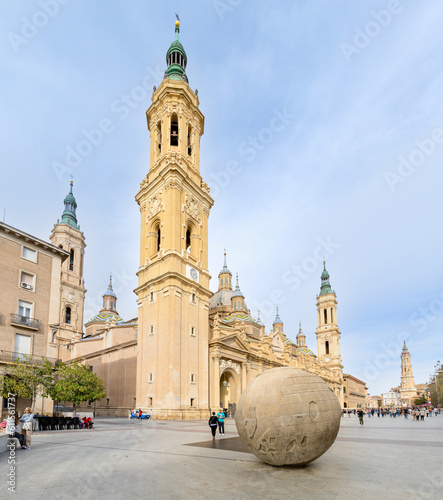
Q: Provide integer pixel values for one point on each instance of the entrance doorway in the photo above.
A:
(229, 388)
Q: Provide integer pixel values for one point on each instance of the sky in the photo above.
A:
(323, 140)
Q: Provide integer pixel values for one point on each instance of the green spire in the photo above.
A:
(404, 347)
(176, 58)
(325, 285)
(68, 216)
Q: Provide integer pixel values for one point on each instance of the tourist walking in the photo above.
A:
(27, 419)
(139, 414)
(213, 424)
(221, 422)
(360, 416)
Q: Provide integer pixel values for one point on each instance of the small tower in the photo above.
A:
(109, 300)
(238, 303)
(327, 332)
(408, 391)
(225, 277)
(277, 326)
(301, 337)
(66, 234)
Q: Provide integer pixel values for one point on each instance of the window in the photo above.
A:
(29, 254)
(89, 403)
(189, 141)
(22, 346)
(134, 402)
(159, 137)
(107, 401)
(188, 240)
(27, 281)
(193, 378)
(151, 377)
(159, 235)
(193, 297)
(332, 316)
(25, 309)
(192, 401)
(151, 330)
(152, 296)
(68, 316)
(327, 347)
(344, 390)
(174, 130)
(91, 368)
(71, 260)
(150, 401)
(325, 315)
(193, 331)
(54, 337)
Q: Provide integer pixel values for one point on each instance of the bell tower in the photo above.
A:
(408, 391)
(66, 234)
(327, 332)
(173, 279)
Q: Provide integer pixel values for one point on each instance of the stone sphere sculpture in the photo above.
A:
(287, 416)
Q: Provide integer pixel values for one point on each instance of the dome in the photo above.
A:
(103, 317)
(221, 298)
(232, 318)
(176, 46)
(304, 351)
(109, 293)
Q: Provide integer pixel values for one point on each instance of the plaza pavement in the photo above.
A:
(128, 459)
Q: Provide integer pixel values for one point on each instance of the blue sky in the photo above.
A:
(323, 138)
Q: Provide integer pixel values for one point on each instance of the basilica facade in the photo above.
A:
(189, 350)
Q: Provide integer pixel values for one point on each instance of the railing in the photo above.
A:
(10, 357)
(17, 319)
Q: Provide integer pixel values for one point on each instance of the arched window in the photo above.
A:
(325, 311)
(159, 235)
(174, 130)
(159, 136)
(68, 316)
(188, 240)
(327, 347)
(71, 260)
(189, 141)
(332, 315)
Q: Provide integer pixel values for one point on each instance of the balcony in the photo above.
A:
(24, 321)
(10, 357)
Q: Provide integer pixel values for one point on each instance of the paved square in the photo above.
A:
(122, 459)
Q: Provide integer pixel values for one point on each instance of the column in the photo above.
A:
(243, 376)
(215, 399)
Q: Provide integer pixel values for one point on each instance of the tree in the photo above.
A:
(420, 401)
(76, 383)
(25, 379)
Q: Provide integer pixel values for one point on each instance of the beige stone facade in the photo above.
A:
(30, 271)
(355, 392)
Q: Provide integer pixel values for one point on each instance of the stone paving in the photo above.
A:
(122, 459)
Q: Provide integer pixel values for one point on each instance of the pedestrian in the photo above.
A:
(27, 419)
(360, 416)
(213, 424)
(422, 413)
(139, 414)
(221, 422)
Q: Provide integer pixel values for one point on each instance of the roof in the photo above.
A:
(103, 317)
(304, 351)
(221, 298)
(237, 316)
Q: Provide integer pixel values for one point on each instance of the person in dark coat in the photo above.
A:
(213, 424)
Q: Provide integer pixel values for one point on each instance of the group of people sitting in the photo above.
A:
(22, 432)
(87, 422)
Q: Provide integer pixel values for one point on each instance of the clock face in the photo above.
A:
(193, 273)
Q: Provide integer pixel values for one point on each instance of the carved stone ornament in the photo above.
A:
(229, 364)
(69, 295)
(155, 206)
(192, 208)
